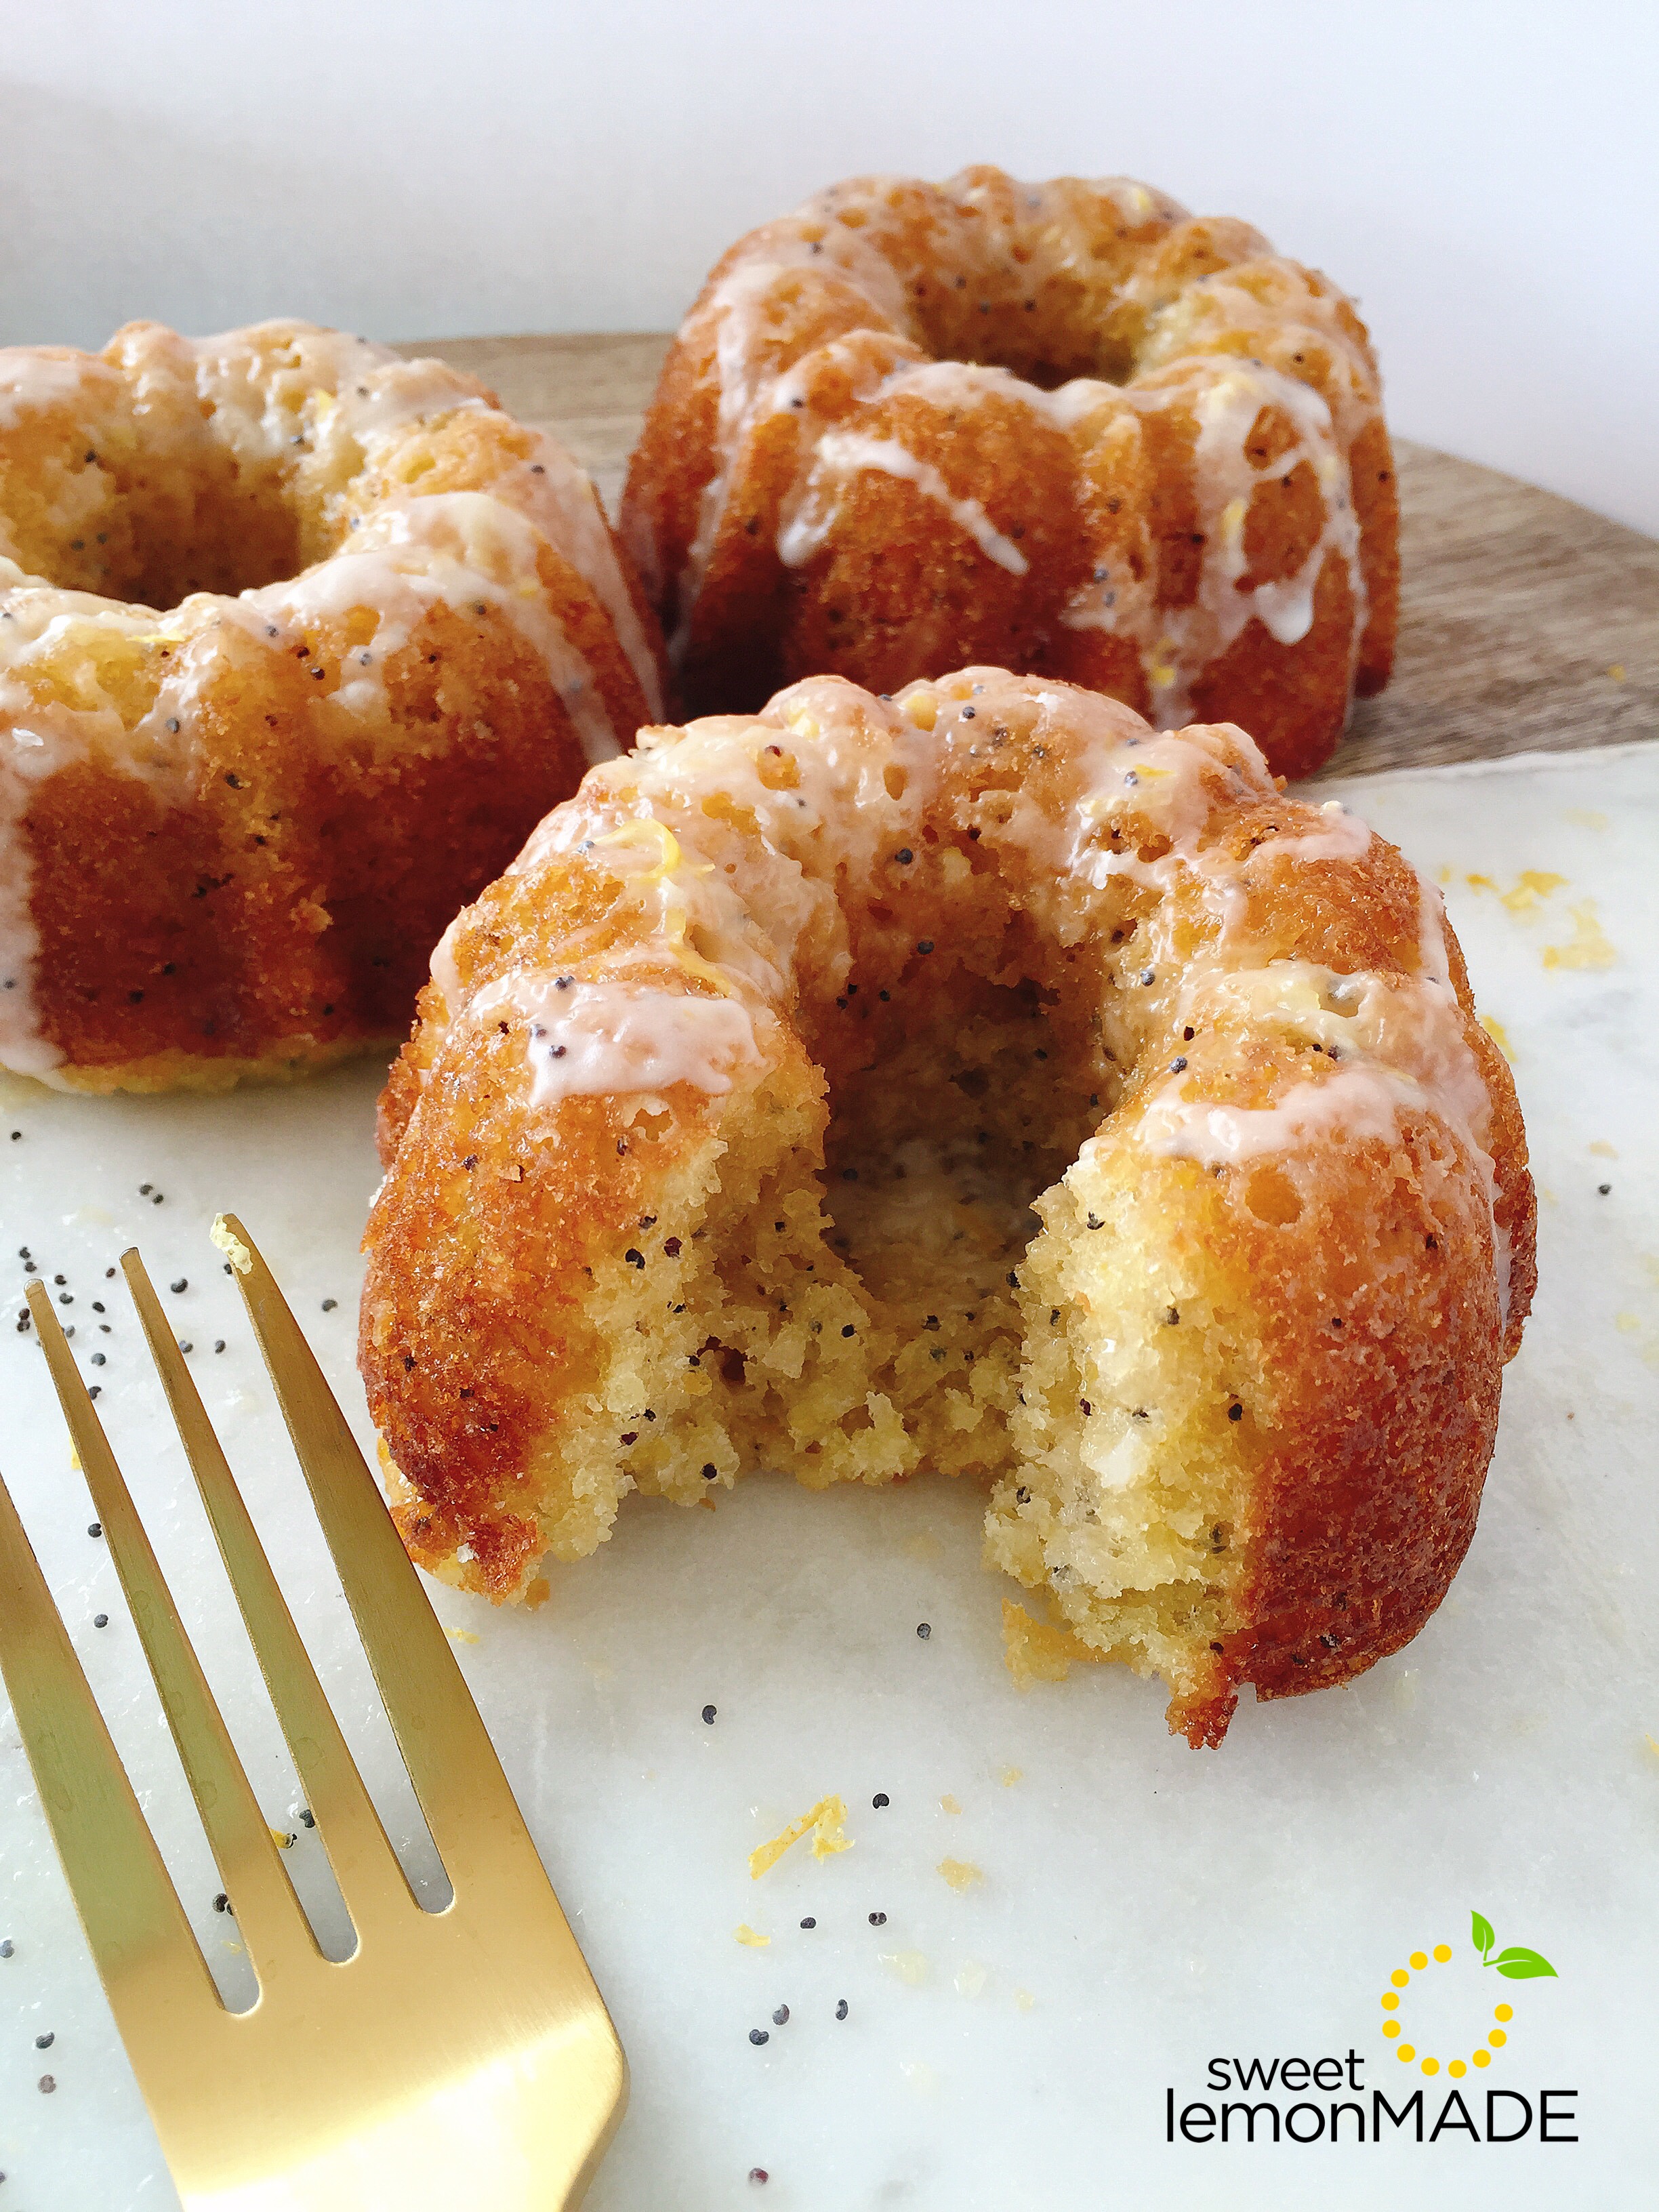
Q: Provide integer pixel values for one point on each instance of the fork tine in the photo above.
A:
(268, 1914)
(365, 1865)
(458, 1778)
(128, 1908)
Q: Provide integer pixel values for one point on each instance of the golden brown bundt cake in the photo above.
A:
(976, 1081)
(399, 628)
(1065, 426)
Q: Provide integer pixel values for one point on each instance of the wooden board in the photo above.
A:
(1528, 624)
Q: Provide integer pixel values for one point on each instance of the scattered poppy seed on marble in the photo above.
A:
(329, 1304)
(841, 2009)
(44, 2042)
(46, 2085)
(758, 2035)
(709, 1712)
(877, 1919)
(924, 1628)
(780, 2019)
(100, 1620)
(880, 1799)
(7, 1947)
(95, 1528)
(809, 1921)
(183, 1283)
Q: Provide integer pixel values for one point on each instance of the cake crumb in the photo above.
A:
(231, 1246)
(751, 1937)
(1035, 1652)
(960, 1874)
(948, 1804)
(1010, 1775)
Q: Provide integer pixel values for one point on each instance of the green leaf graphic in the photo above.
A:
(1481, 1930)
(1520, 1965)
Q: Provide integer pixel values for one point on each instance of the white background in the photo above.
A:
(1483, 176)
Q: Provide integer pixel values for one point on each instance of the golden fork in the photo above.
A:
(461, 2059)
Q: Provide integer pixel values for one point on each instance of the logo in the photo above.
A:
(1515, 1964)
(1449, 1999)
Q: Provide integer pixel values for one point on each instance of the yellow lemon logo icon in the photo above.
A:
(1514, 1964)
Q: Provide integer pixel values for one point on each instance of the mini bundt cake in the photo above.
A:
(982, 1082)
(399, 628)
(1064, 427)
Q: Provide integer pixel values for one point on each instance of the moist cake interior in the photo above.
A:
(871, 1294)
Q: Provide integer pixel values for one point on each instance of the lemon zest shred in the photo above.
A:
(827, 1822)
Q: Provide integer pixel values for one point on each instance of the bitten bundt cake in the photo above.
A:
(976, 1081)
(298, 641)
(1064, 427)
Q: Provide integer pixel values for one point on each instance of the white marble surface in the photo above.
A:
(1143, 1908)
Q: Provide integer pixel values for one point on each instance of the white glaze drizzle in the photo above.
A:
(586, 1040)
(1351, 1101)
(1398, 1042)
(842, 454)
(28, 755)
(458, 550)
(34, 378)
(737, 307)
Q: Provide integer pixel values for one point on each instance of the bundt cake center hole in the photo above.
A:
(1044, 337)
(238, 533)
(152, 523)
